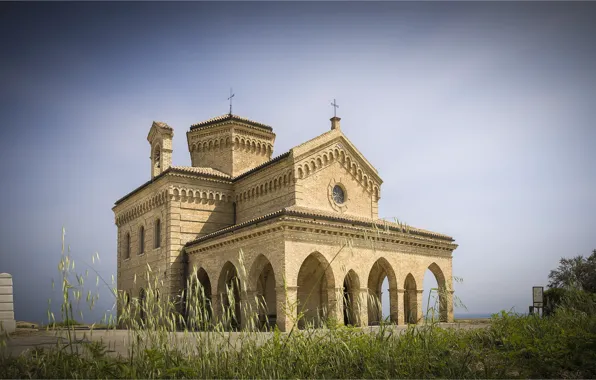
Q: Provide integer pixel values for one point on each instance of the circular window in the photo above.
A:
(338, 194)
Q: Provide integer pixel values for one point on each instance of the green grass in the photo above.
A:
(513, 346)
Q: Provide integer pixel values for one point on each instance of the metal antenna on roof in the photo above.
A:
(230, 99)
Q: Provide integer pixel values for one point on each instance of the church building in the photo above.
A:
(300, 230)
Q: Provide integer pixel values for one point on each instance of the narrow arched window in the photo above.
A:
(127, 246)
(141, 240)
(157, 239)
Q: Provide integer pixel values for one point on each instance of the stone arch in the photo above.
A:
(348, 162)
(316, 287)
(319, 162)
(275, 184)
(342, 157)
(216, 145)
(210, 146)
(306, 170)
(229, 289)
(199, 308)
(156, 159)
(227, 142)
(351, 299)
(325, 158)
(410, 300)
(440, 294)
(300, 173)
(380, 270)
(263, 282)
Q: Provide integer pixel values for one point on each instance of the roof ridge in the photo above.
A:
(264, 164)
(200, 170)
(226, 117)
(292, 211)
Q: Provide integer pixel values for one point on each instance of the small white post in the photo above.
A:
(7, 321)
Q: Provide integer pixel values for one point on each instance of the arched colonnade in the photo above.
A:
(257, 298)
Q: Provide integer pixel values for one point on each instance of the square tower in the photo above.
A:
(230, 144)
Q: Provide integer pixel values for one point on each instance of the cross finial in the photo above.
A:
(335, 107)
(230, 99)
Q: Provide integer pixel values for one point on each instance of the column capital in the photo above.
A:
(419, 291)
(400, 290)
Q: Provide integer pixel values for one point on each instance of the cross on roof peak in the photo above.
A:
(335, 107)
(230, 99)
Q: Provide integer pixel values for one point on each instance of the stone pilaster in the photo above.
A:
(286, 305)
(418, 306)
(335, 304)
(362, 307)
(449, 305)
(397, 304)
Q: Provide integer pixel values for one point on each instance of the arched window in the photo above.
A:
(127, 246)
(157, 234)
(141, 240)
(157, 157)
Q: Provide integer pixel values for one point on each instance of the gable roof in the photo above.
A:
(308, 213)
(307, 148)
(230, 117)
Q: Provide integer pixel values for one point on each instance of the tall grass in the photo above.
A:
(514, 346)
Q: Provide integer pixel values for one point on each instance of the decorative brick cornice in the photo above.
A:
(336, 153)
(140, 207)
(191, 194)
(265, 186)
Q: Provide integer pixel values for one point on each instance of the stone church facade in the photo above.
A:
(299, 229)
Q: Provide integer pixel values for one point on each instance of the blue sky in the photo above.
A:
(478, 116)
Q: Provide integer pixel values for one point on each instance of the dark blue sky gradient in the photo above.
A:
(479, 117)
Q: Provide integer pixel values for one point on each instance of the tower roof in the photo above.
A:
(227, 118)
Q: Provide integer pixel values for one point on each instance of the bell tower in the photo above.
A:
(230, 144)
(160, 139)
